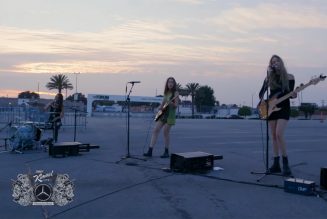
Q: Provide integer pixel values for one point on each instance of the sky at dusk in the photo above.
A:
(223, 44)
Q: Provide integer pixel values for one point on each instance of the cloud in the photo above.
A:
(193, 2)
(237, 36)
(9, 92)
(127, 47)
(270, 16)
(14, 93)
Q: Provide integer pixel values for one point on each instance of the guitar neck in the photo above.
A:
(281, 99)
(172, 100)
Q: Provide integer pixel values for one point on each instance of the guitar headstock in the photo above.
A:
(316, 80)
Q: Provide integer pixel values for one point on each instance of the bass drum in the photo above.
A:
(22, 136)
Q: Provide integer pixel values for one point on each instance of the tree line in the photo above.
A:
(308, 109)
(202, 97)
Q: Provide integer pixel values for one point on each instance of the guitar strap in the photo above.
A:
(172, 97)
(168, 107)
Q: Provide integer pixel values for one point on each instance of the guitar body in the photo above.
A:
(163, 110)
(160, 113)
(265, 112)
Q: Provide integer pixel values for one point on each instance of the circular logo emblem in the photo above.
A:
(43, 192)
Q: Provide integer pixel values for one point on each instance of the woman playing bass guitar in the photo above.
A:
(280, 83)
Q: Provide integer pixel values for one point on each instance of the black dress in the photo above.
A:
(285, 111)
(55, 112)
(55, 120)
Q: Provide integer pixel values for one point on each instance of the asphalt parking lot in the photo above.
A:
(141, 189)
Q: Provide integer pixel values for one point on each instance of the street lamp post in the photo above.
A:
(75, 98)
(252, 100)
(76, 74)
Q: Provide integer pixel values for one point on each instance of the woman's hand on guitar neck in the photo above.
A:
(294, 94)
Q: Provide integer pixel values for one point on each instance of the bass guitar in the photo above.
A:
(265, 111)
(164, 109)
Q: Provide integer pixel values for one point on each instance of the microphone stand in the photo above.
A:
(75, 122)
(267, 172)
(128, 100)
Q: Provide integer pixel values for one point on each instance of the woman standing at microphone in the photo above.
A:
(280, 83)
(56, 110)
(168, 118)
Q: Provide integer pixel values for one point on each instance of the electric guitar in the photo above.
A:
(55, 119)
(273, 101)
(164, 109)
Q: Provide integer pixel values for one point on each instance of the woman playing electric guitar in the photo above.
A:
(166, 117)
(280, 83)
(56, 110)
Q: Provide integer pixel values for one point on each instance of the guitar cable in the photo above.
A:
(148, 132)
(319, 194)
(263, 144)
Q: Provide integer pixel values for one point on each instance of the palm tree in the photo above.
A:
(59, 82)
(180, 90)
(179, 87)
(192, 88)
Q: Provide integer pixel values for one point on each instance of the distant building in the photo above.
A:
(117, 103)
(226, 111)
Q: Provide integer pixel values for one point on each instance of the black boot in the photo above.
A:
(149, 153)
(275, 168)
(286, 168)
(165, 154)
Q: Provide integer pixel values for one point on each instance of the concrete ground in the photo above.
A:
(138, 189)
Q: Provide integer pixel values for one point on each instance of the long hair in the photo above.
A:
(278, 79)
(60, 100)
(173, 90)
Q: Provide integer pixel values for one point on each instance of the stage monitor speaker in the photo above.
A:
(192, 161)
(64, 149)
(323, 178)
(299, 186)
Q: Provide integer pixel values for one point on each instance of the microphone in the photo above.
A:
(271, 69)
(134, 82)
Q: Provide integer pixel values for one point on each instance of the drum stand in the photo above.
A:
(6, 138)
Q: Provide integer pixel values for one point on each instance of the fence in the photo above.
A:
(20, 115)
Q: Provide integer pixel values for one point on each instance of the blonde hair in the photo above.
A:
(278, 81)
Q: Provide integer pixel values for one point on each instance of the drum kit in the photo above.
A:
(25, 136)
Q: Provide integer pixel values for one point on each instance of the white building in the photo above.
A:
(118, 98)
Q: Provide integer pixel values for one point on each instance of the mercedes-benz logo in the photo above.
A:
(43, 192)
